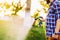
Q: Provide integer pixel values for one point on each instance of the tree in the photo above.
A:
(17, 8)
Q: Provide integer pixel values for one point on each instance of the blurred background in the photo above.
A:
(21, 19)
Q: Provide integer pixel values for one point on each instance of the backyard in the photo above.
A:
(20, 19)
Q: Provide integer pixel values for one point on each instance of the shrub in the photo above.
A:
(36, 33)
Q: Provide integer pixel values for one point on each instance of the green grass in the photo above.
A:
(4, 28)
(2, 33)
(36, 33)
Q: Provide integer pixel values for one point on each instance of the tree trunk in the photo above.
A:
(28, 5)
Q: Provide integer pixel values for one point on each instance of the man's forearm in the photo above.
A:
(57, 26)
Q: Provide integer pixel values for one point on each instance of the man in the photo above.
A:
(53, 19)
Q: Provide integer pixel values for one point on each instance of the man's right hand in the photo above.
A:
(55, 36)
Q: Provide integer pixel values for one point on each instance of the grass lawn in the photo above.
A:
(2, 33)
(36, 33)
(4, 29)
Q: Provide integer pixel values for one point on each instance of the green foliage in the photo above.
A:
(16, 8)
(36, 14)
(36, 33)
(45, 6)
(7, 5)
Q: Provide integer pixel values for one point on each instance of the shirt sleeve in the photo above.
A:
(58, 15)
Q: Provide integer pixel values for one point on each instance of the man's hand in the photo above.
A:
(55, 36)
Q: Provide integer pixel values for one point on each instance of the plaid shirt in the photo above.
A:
(53, 15)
